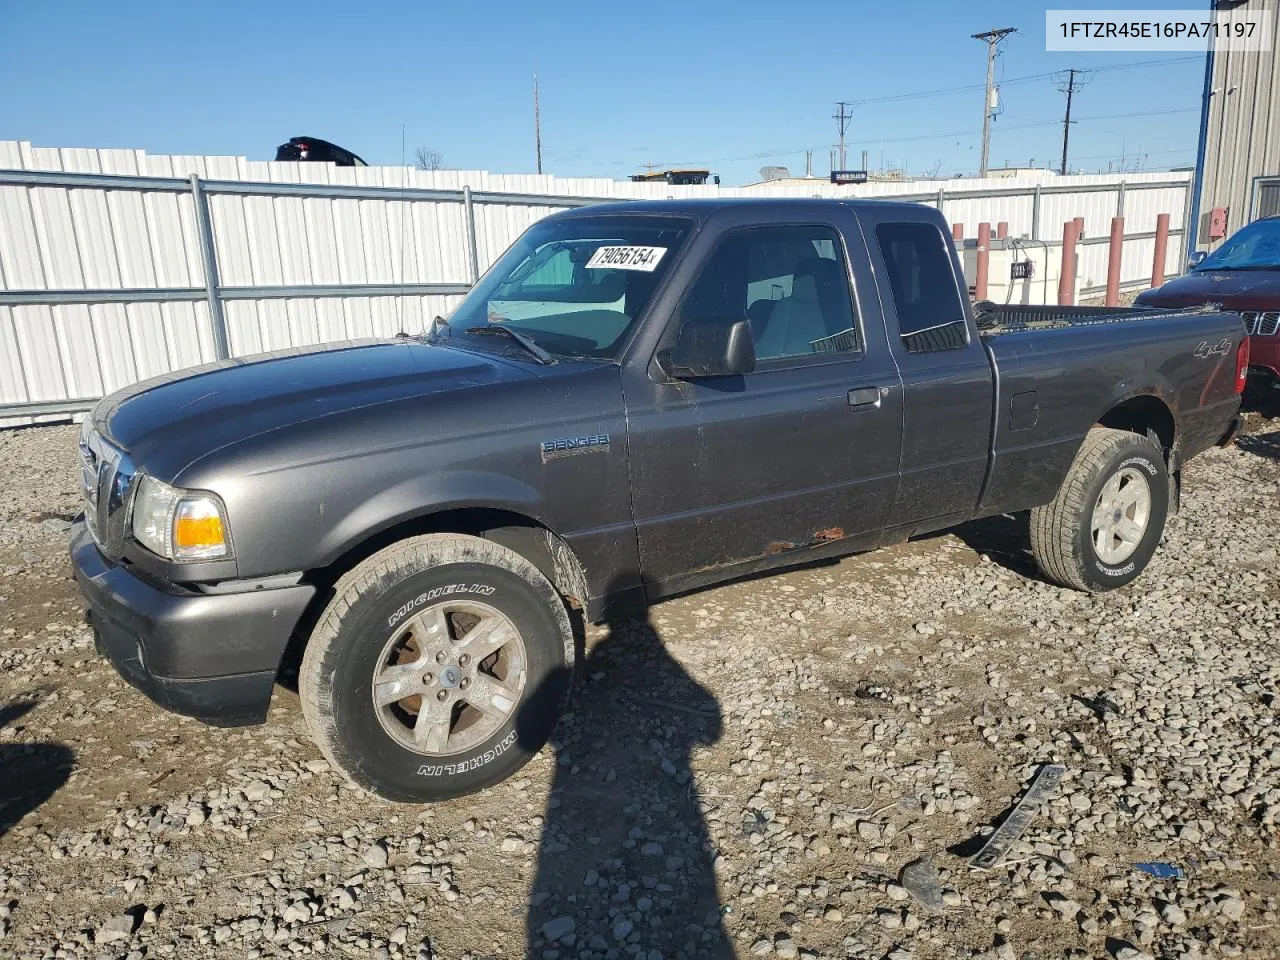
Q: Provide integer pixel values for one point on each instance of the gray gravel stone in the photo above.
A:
(911, 700)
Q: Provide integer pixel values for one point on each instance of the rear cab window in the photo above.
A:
(930, 311)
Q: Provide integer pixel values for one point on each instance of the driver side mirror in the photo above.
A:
(711, 347)
(1196, 258)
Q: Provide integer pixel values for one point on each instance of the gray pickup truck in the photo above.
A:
(636, 400)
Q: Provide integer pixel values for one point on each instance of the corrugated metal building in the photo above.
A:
(1240, 133)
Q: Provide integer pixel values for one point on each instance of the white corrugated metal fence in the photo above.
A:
(116, 265)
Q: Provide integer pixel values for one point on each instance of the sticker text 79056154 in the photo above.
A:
(626, 258)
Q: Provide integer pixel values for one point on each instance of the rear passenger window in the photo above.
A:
(922, 279)
(791, 283)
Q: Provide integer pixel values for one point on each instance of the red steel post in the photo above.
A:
(1067, 276)
(1162, 242)
(957, 231)
(984, 261)
(1002, 229)
(1113, 261)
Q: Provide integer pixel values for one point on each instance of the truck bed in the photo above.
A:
(1059, 370)
(994, 319)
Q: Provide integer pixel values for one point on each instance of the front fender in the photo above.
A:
(422, 496)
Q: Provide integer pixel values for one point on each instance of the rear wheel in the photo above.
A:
(1103, 527)
(439, 668)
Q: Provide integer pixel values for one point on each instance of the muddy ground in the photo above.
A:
(745, 771)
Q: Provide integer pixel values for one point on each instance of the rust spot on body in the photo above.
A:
(831, 533)
(776, 548)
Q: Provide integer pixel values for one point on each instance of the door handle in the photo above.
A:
(866, 396)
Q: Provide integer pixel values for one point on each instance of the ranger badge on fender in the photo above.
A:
(571, 446)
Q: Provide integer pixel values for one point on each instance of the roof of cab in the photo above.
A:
(703, 207)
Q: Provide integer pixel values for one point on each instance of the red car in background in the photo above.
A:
(1243, 275)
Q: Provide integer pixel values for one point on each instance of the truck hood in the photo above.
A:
(1233, 289)
(170, 421)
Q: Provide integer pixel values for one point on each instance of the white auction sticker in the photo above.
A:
(626, 258)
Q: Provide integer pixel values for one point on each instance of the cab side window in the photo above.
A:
(922, 278)
(790, 282)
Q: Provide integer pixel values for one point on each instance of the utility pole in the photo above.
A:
(1069, 83)
(537, 121)
(992, 39)
(841, 118)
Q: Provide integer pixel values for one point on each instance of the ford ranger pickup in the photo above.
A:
(636, 400)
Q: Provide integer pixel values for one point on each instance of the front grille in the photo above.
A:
(1258, 324)
(106, 479)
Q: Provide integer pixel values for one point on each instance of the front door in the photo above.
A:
(805, 449)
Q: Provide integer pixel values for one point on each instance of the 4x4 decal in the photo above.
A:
(1206, 349)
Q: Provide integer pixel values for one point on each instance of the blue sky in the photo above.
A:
(732, 86)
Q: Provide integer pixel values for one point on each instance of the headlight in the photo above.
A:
(179, 524)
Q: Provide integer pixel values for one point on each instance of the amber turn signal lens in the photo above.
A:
(198, 532)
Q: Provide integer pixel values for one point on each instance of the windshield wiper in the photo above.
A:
(523, 339)
(438, 324)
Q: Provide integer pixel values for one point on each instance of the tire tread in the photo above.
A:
(379, 572)
(1055, 526)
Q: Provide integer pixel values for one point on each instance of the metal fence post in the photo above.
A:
(1189, 229)
(1067, 274)
(209, 256)
(1158, 259)
(984, 261)
(469, 214)
(941, 196)
(1035, 214)
(1120, 200)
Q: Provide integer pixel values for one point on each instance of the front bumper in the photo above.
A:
(209, 656)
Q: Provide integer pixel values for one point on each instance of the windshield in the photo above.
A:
(575, 286)
(1255, 247)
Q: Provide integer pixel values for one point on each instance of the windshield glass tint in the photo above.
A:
(1255, 247)
(575, 286)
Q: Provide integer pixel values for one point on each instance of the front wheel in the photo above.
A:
(1102, 528)
(439, 668)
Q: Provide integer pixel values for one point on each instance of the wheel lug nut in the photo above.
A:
(427, 677)
(442, 695)
(464, 683)
(440, 657)
(464, 660)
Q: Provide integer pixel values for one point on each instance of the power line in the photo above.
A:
(785, 151)
(841, 118)
(537, 122)
(1181, 151)
(1068, 84)
(965, 88)
(992, 39)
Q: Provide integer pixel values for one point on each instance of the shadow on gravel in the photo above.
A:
(1261, 444)
(30, 773)
(625, 861)
(1263, 400)
(1006, 539)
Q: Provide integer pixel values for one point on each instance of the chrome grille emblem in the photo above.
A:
(1261, 324)
(106, 476)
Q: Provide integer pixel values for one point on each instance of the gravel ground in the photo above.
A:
(745, 773)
